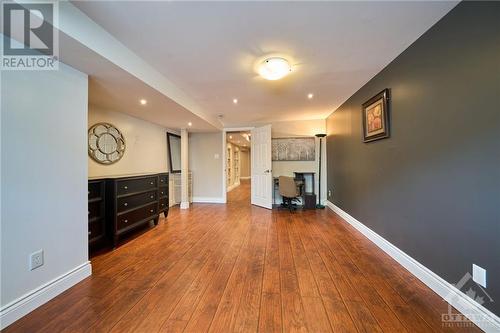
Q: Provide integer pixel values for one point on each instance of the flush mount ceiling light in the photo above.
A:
(274, 68)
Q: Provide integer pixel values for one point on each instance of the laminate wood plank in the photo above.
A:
(411, 321)
(305, 277)
(271, 280)
(359, 312)
(154, 308)
(247, 274)
(207, 306)
(385, 317)
(339, 317)
(270, 318)
(184, 309)
(293, 314)
(392, 275)
(247, 317)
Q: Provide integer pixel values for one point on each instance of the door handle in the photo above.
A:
(267, 171)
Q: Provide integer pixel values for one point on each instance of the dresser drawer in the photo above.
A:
(163, 192)
(136, 185)
(163, 203)
(96, 229)
(132, 201)
(128, 219)
(95, 209)
(163, 179)
(95, 190)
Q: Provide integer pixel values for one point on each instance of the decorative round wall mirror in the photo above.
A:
(106, 143)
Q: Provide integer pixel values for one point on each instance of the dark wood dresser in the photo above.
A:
(131, 202)
(96, 213)
(163, 194)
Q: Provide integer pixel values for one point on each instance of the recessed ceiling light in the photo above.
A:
(143, 101)
(235, 101)
(310, 96)
(190, 124)
(274, 68)
(230, 136)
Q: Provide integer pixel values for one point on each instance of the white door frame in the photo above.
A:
(224, 162)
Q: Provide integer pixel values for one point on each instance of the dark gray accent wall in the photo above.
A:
(433, 188)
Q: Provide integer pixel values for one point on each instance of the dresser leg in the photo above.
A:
(115, 241)
(156, 219)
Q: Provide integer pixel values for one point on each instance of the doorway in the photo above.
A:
(238, 166)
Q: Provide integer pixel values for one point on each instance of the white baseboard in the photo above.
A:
(479, 315)
(20, 307)
(232, 187)
(185, 205)
(208, 200)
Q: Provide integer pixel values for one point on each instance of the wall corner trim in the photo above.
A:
(479, 315)
(41, 295)
(208, 200)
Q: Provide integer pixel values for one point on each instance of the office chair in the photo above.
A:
(288, 190)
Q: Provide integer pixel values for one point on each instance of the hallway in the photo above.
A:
(241, 194)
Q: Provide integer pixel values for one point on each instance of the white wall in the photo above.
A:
(206, 166)
(287, 129)
(43, 182)
(146, 145)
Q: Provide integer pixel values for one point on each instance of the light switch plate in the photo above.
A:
(479, 275)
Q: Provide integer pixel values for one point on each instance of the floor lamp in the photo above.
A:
(319, 205)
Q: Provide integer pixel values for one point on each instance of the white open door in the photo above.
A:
(262, 176)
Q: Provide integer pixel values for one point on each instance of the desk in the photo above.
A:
(305, 183)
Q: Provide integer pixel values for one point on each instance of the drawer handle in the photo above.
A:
(125, 204)
(125, 221)
(161, 180)
(90, 233)
(161, 193)
(89, 192)
(89, 212)
(125, 187)
(151, 183)
(151, 197)
(162, 205)
(151, 210)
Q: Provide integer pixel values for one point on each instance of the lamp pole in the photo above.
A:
(319, 205)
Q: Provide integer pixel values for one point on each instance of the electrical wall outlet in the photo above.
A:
(329, 193)
(479, 275)
(36, 259)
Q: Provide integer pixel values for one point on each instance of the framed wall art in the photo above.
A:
(376, 117)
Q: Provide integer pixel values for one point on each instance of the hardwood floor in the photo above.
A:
(234, 267)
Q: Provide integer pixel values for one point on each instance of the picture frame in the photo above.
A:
(376, 117)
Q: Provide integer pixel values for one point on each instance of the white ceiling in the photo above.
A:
(112, 88)
(208, 49)
(238, 139)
